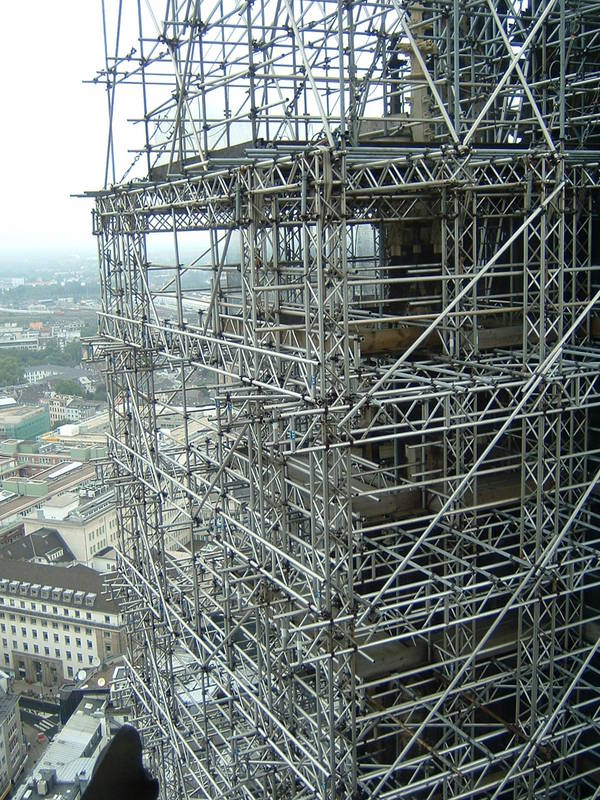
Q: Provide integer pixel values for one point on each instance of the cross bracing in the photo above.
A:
(366, 563)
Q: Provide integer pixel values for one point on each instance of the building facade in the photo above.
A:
(55, 621)
(12, 743)
(23, 422)
(87, 523)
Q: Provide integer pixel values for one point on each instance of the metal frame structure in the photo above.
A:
(370, 568)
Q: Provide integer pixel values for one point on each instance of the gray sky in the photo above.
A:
(53, 128)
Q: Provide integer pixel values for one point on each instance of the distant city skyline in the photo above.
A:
(54, 130)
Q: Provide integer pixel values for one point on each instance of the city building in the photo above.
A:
(105, 560)
(55, 621)
(19, 340)
(23, 493)
(33, 457)
(87, 439)
(376, 225)
(66, 767)
(86, 521)
(37, 374)
(44, 546)
(12, 742)
(23, 422)
(65, 333)
(68, 408)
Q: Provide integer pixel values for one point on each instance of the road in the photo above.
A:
(42, 716)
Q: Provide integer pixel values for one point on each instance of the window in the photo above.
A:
(36, 649)
(107, 634)
(55, 609)
(3, 626)
(57, 652)
(55, 624)
(44, 623)
(79, 657)
(66, 612)
(44, 607)
(70, 672)
(5, 642)
(56, 637)
(34, 633)
(67, 640)
(22, 603)
(77, 629)
(6, 658)
(23, 631)
(91, 659)
(45, 635)
(69, 656)
(78, 642)
(89, 644)
(77, 613)
(14, 641)
(67, 627)
(12, 616)
(13, 628)
(25, 647)
(108, 648)
(88, 615)
(88, 631)
(22, 619)
(107, 619)
(47, 651)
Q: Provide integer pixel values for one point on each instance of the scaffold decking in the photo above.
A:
(350, 330)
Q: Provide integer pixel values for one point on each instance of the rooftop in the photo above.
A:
(62, 500)
(46, 544)
(55, 484)
(15, 414)
(72, 754)
(107, 552)
(79, 586)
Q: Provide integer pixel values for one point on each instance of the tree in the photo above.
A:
(64, 386)
(99, 392)
(11, 371)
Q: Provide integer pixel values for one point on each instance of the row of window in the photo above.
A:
(44, 624)
(76, 612)
(34, 635)
(57, 652)
(65, 611)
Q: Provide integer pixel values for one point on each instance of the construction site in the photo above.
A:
(368, 566)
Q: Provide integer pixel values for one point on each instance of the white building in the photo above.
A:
(87, 522)
(37, 374)
(68, 408)
(55, 620)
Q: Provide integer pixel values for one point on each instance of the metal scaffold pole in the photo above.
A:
(350, 324)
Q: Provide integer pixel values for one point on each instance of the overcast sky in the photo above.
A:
(53, 128)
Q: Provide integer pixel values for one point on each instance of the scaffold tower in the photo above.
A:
(349, 256)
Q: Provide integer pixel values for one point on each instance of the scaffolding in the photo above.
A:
(350, 331)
